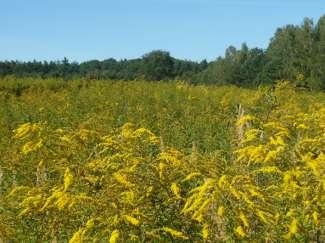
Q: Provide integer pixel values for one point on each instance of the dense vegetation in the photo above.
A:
(113, 161)
(295, 53)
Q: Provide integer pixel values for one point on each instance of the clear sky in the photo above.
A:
(98, 29)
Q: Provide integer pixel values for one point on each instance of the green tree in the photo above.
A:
(157, 65)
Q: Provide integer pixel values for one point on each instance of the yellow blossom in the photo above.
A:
(114, 236)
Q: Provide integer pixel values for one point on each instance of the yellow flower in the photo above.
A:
(245, 119)
(25, 130)
(90, 224)
(244, 219)
(222, 181)
(114, 236)
(176, 190)
(122, 179)
(131, 220)
(77, 237)
(205, 231)
(315, 217)
(221, 211)
(191, 175)
(240, 232)
(293, 229)
(68, 179)
(32, 146)
(161, 170)
(175, 233)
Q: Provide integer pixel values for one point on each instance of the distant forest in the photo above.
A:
(295, 53)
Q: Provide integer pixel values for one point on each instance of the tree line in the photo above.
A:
(295, 53)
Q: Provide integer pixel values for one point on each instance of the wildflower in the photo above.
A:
(245, 119)
(277, 141)
(77, 237)
(131, 220)
(90, 224)
(302, 127)
(205, 231)
(191, 175)
(240, 232)
(293, 229)
(32, 146)
(122, 179)
(24, 130)
(68, 179)
(244, 219)
(251, 135)
(234, 192)
(175, 233)
(176, 190)
(261, 215)
(221, 211)
(161, 170)
(269, 170)
(63, 199)
(114, 236)
(222, 181)
(316, 218)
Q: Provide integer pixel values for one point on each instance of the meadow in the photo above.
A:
(136, 161)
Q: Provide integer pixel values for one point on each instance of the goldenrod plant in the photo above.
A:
(168, 162)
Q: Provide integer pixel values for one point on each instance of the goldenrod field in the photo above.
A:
(104, 161)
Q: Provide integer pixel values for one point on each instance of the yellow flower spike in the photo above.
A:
(122, 179)
(302, 127)
(32, 146)
(162, 167)
(191, 176)
(293, 229)
(279, 141)
(221, 211)
(205, 231)
(77, 237)
(316, 218)
(261, 215)
(234, 192)
(175, 233)
(245, 119)
(244, 219)
(90, 224)
(222, 181)
(131, 220)
(114, 236)
(240, 232)
(271, 156)
(68, 179)
(176, 190)
(24, 130)
(251, 135)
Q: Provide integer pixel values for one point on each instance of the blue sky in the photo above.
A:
(97, 29)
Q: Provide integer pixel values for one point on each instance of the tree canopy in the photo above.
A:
(295, 53)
